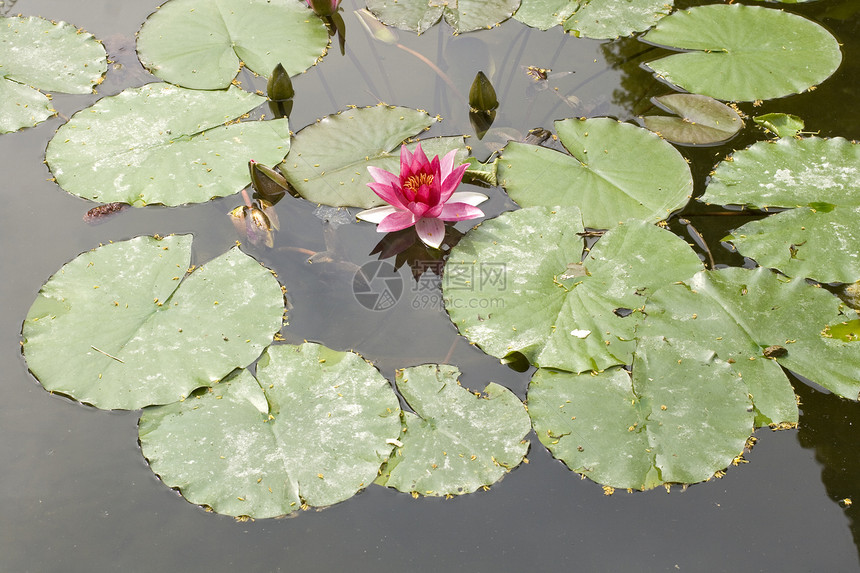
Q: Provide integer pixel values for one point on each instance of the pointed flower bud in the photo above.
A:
(482, 95)
(280, 86)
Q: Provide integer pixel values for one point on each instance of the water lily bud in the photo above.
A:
(482, 95)
(280, 87)
(375, 28)
(323, 7)
(268, 183)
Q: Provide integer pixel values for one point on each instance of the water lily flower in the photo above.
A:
(422, 195)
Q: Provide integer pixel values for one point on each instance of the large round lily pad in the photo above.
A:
(682, 417)
(455, 442)
(598, 19)
(38, 54)
(463, 16)
(615, 171)
(311, 430)
(201, 44)
(821, 177)
(123, 326)
(743, 53)
(516, 284)
(328, 160)
(164, 144)
(756, 319)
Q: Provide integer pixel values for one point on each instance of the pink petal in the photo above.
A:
(389, 194)
(396, 221)
(452, 182)
(377, 214)
(447, 164)
(430, 231)
(405, 157)
(420, 163)
(469, 197)
(459, 212)
(418, 209)
(382, 176)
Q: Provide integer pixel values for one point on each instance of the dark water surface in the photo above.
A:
(76, 494)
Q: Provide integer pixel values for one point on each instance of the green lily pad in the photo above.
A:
(164, 144)
(746, 317)
(743, 53)
(515, 284)
(615, 171)
(848, 331)
(463, 16)
(819, 244)
(311, 430)
(781, 124)
(122, 326)
(684, 416)
(820, 239)
(598, 19)
(328, 160)
(456, 442)
(701, 120)
(201, 44)
(52, 56)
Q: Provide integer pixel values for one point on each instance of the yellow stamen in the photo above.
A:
(414, 182)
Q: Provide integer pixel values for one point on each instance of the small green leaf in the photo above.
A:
(701, 120)
(455, 442)
(311, 430)
(122, 326)
(781, 124)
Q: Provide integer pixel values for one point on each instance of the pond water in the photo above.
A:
(77, 494)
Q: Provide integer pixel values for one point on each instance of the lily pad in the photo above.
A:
(781, 124)
(312, 430)
(202, 44)
(598, 19)
(38, 54)
(820, 239)
(123, 326)
(515, 284)
(615, 171)
(164, 144)
(743, 53)
(701, 120)
(746, 317)
(819, 244)
(328, 160)
(456, 442)
(684, 416)
(463, 16)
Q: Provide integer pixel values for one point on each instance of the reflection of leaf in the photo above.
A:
(45, 55)
(702, 120)
(615, 171)
(328, 160)
(598, 19)
(119, 326)
(684, 416)
(163, 144)
(201, 44)
(463, 15)
(744, 53)
(820, 241)
(504, 289)
(314, 430)
(457, 442)
(739, 312)
(782, 124)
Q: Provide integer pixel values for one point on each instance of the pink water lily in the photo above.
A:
(422, 195)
